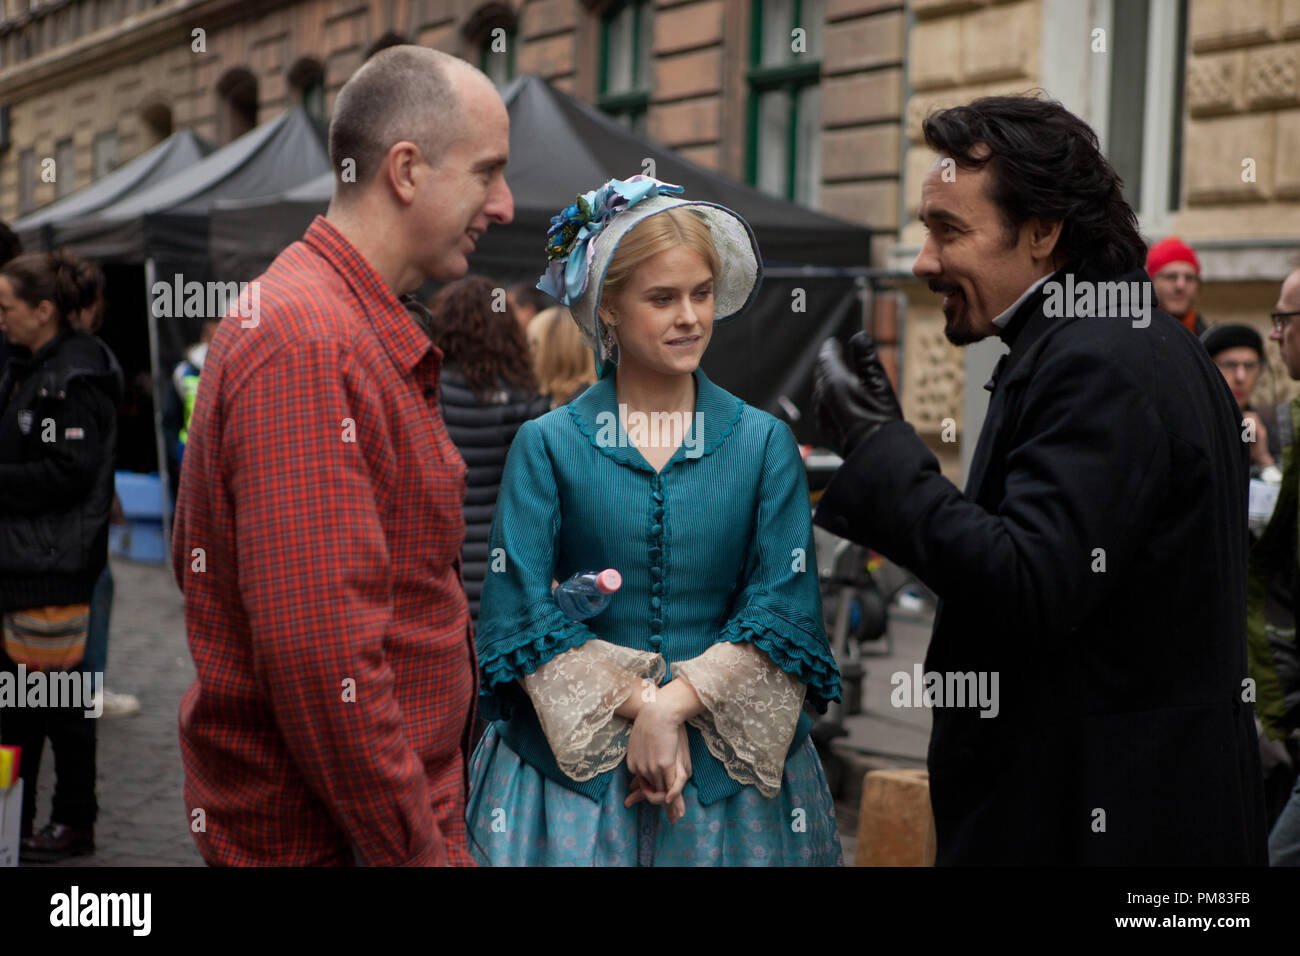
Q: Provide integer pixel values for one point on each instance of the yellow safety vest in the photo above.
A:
(189, 391)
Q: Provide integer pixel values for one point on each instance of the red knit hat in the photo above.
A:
(1171, 250)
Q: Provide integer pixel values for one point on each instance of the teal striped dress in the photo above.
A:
(715, 547)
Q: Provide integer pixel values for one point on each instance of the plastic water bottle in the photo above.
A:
(587, 593)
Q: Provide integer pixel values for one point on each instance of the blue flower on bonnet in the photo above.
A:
(568, 241)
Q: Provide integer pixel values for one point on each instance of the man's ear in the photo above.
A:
(1043, 234)
(45, 310)
(399, 170)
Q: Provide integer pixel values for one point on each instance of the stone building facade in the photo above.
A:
(109, 78)
(817, 100)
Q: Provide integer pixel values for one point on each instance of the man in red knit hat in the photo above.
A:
(1176, 274)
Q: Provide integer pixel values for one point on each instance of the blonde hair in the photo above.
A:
(561, 359)
(670, 229)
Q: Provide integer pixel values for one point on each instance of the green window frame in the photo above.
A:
(627, 98)
(791, 87)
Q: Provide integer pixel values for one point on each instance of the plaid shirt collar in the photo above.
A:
(403, 337)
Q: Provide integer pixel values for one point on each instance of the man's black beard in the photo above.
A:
(960, 337)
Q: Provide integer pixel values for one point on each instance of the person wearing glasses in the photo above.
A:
(1273, 579)
(1176, 275)
(1238, 351)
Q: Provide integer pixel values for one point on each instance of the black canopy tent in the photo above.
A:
(174, 154)
(160, 232)
(559, 147)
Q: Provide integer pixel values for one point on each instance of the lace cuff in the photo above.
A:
(575, 694)
(752, 708)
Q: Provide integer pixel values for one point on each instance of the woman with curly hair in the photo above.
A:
(488, 391)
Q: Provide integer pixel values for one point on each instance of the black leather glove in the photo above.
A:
(852, 403)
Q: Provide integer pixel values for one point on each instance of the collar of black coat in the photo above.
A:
(1031, 322)
(595, 412)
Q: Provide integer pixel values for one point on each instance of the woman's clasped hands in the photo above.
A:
(658, 754)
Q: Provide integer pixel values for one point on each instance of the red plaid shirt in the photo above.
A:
(331, 716)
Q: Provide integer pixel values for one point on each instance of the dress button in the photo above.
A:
(658, 497)
(656, 528)
(656, 624)
(658, 514)
(655, 641)
(656, 573)
(655, 602)
(657, 588)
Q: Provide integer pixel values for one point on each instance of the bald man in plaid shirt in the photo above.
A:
(318, 527)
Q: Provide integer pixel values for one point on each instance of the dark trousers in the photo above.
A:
(101, 611)
(72, 737)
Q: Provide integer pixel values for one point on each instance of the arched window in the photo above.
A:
(492, 30)
(157, 118)
(383, 43)
(307, 80)
(236, 104)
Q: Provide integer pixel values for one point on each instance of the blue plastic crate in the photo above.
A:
(141, 494)
(138, 541)
(141, 539)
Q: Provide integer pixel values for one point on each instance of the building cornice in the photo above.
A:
(130, 41)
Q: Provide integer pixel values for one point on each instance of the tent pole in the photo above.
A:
(159, 384)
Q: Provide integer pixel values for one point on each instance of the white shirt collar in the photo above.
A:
(1002, 320)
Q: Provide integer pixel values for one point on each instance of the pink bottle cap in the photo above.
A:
(609, 581)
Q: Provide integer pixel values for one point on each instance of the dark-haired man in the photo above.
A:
(319, 524)
(1095, 562)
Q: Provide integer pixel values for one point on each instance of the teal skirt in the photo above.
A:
(518, 817)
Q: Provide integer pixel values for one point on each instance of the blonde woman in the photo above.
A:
(669, 728)
(563, 363)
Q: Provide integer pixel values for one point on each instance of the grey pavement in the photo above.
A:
(882, 736)
(893, 736)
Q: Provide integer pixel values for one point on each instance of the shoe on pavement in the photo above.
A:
(56, 842)
(120, 705)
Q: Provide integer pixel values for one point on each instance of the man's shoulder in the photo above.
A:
(300, 304)
(1141, 338)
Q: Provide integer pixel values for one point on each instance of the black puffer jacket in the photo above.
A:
(482, 432)
(58, 431)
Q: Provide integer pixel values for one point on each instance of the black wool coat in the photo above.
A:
(482, 430)
(1096, 562)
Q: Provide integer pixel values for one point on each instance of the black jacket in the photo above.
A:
(1097, 563)
(482, 431)
(58, 430)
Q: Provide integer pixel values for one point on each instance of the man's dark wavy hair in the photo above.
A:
(1045, 163)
